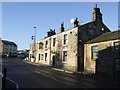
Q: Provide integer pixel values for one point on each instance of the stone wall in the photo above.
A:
(105, 63)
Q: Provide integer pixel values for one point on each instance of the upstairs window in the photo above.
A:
(65, 39)
(54, 40)
(95, 52)
(65, 56)
(40, 45)
(46, 44)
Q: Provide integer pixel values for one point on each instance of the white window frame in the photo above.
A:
(63, 39)
(94, 52)
(39, 56)
(46, 46)
(45, 58)
(53, 41)
(118, 45)
(63, 55)
(42, 56)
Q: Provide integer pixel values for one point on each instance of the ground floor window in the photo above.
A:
(94, 52)
(45, 56)
(39, 56)
(117, 64)
(42, 56)
(65, 58)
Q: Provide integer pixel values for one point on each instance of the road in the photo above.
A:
(32, 76)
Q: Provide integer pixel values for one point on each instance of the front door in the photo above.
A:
(53, 60)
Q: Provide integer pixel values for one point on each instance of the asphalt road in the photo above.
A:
(32, 76)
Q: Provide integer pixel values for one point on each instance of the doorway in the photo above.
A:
(53, 58)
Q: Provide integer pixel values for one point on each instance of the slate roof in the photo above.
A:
(8, 42)
(106, 37)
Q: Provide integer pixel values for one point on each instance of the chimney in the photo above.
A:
(76, 23)
(62, 27)
(51, 32)
(97, 16)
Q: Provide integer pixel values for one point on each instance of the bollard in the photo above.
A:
(4, 78)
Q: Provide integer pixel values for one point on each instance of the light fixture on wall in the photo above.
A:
(102, 29)
(108, 45)
(75, 34)
(75, 54)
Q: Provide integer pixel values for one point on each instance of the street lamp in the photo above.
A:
(34, 37)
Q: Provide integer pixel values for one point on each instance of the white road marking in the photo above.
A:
(11, 81)
(17, 87)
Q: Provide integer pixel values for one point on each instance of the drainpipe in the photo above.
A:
(77, 49)
(50, 52)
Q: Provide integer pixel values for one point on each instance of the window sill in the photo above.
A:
(65, 45)
(94, 59)
(64, 61)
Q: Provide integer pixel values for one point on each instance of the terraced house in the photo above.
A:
(67, 49)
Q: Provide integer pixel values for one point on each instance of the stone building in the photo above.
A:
(102, 54)
(66, 49)
(7, 48)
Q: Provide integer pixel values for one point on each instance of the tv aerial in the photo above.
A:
(72, 20)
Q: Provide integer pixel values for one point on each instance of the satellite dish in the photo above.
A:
(72, 20)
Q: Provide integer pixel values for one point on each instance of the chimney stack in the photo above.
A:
(76, 23)
(62, 27)
(51, 32)
(97, 16)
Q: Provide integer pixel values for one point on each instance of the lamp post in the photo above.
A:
(34, 37)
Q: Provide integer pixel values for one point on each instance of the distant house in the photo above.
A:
(7, 48)
(102, 54)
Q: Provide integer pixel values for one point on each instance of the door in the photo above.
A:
(53, 58)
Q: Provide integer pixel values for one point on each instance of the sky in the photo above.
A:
(19, 18)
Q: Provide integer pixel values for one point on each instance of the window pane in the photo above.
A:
(65, 39)
(95, 55)
(117, 45)
(39, 56)
(45, 56)
(64, 55)
(117, 64)
(95, 51)
(46, 43)
(54, 40)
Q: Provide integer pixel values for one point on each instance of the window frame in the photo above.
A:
(63, 56)
(65, 40)
(40, 45)
(94, 52)
(46, 55)
(42, 56)
(117, 46)
(46, 44)
(39, 57)
(54, 42)
(117, 64)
